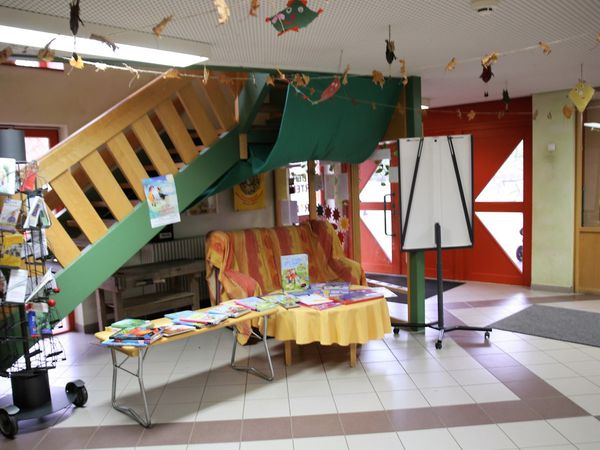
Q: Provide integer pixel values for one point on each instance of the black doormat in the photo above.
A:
(400, 280)
(552, 322)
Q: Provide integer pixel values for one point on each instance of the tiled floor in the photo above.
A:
(515, 391)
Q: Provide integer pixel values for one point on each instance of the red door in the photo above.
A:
(502, 167)
(379, 212)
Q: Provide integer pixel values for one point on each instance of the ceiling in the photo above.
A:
(427, 34)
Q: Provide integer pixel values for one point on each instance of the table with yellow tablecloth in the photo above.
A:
(346, 325)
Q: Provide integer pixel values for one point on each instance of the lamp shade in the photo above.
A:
(12, 144)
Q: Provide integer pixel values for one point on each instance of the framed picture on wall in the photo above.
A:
(207, 205)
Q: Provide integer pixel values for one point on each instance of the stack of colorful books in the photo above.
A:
(136, 337)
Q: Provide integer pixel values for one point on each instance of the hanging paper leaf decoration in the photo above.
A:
(254, 4)
(505, 98)
(301, 80)
(74, 17)
(270, 81)
(567, 111)
(281, 75)
(451, 65)
(345, 75)
(581, 95)
(205, 75)
(378, 78)
(390, 48)
(46, 53)
(320, 210)
(489, 59)
(545, 48)
(160, 26)
(223, 11)
(403, 72)
(100, 67)
(471, 115)
(104, 40)
(312, 91)
(327, 212)
(297, 15)
(331, 90)
(172, 73)
(486, 73)
(486, 94)
(76, 61)
(5, 54)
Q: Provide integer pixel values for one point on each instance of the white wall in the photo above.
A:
(52, 98)
(228, 219)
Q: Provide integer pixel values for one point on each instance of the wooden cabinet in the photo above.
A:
(176, 285)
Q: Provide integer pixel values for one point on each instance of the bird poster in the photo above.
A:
(161, 196)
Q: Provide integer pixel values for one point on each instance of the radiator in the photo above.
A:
(186, 248)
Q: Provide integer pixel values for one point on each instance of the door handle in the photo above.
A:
(392, 210)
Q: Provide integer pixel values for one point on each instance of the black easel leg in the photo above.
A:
(439, 325)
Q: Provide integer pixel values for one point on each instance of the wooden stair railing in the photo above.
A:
(91, 154)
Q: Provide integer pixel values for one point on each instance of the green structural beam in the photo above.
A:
(416, 260)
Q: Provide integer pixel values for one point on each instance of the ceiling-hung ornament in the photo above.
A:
(296, 15)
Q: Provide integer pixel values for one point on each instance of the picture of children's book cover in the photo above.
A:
(7, 175)
(162, 200)
(174, 330)
(285, 300)
(11, 251)
(9, 215)
(359, 295)
(230, 309)
(130, 323)
(294, 272)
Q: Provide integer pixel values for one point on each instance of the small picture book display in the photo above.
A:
(294, 272)
(161, 196)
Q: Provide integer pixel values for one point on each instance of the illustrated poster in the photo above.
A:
(162, 200)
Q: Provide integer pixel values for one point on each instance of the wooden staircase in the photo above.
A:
(96, 174)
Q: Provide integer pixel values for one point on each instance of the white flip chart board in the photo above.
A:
(435, 179)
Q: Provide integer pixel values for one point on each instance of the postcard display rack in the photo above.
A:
(27, 311)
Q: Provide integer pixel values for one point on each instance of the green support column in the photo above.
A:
(416, 260)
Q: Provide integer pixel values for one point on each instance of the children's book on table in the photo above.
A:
(356, 296)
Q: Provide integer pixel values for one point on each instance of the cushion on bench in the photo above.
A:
(248, 262)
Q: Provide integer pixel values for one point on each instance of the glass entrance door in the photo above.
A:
(380, 212)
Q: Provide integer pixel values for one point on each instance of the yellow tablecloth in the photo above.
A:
(343, 325)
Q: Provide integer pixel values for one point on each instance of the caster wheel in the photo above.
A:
(438, 344)
(8, 424)
(77, 393)
(487, 335)
(396, 330)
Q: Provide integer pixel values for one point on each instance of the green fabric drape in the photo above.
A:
(345, 128)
